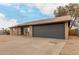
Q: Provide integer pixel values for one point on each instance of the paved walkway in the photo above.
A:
(22, 45)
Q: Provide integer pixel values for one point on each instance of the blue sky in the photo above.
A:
(16, 13)
(22, 12)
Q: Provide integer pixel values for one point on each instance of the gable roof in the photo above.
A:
(46, 21)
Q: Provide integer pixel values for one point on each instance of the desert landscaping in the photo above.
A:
(22, 45)
(71, 47)
(29, 46)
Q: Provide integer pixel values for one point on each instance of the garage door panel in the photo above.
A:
(49, 30)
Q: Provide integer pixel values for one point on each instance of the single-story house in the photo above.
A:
(50, 28)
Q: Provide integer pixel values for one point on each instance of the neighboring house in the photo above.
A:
(50, 28)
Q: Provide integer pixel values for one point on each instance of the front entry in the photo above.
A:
(22, 29)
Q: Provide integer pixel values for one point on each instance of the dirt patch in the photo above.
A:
(21, 45)
(71, 47)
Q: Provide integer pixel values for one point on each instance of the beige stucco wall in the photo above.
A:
(66, 30)
(18, 29)
(29, 32)
(26, 34)
(11, 31)
(15, 31)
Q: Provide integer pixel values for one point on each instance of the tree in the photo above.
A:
(5, 31)
(60, 11)
(73, 11)
(70, 9)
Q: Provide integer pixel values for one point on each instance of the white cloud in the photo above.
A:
(22, 11)
(16, 6)
(48, 8)
(29, 5)
(45, 8)
(4, 23)
(2, 15)
(6, 4)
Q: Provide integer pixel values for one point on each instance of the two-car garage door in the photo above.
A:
(55, 30)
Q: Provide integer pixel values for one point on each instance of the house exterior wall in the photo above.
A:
(17, 30)
(66, 30)
(11, 31)
(25, 32)
(28, 31)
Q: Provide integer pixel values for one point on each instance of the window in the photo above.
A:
(13, 29)
(26, 29)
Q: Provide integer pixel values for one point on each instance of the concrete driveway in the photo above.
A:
(71, 47)
(22, 45)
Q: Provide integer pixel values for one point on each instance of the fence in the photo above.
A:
(72, 32)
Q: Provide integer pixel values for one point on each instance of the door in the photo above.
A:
(56, 30)
(22, 29)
